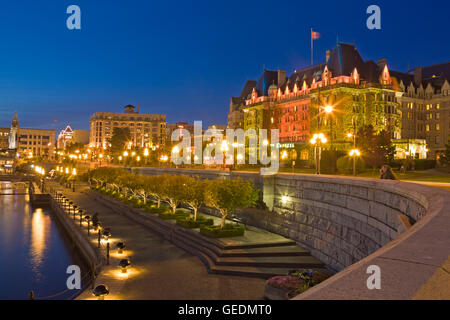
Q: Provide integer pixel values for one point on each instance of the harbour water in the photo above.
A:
(34, 252)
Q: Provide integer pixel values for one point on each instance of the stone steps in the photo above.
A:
(228, 245)
(254, 272)
(292, 250)
(263, 261)
(271, 262)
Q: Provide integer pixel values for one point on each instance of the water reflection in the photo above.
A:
(34, 251)
(39, 237)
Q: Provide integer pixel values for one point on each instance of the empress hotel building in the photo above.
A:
(414, 106)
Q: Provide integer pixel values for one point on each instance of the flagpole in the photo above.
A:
(312, 48)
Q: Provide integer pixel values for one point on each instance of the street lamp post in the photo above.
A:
(74, 173)
(317, 140)
(224, 149)
(146, 155)
(354, 153)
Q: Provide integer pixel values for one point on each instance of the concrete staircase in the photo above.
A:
(260, 260)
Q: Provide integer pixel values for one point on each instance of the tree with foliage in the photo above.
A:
(72, 147)
(367, 143)
(444, 158)
(154, 186)
(105, 175)
(385, 146)
(227, 195)
(376, 149)
(119, 140)
(140, 184)
(172, 189)
(193, 193)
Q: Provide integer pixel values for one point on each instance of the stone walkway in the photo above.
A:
(159, 270)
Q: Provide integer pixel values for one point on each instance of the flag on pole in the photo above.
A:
(314, 35)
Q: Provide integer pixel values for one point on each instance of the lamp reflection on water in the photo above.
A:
(39, 236)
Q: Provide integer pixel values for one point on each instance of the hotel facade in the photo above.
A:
(146, 129)
(412, 106)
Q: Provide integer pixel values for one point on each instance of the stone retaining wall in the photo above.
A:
(340, 220)
(89, 253)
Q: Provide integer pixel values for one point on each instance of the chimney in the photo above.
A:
(381, 62)
(281, 77)
(328, 53)
(137, 108)
(418, 76)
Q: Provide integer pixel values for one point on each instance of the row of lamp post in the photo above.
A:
(101, 290)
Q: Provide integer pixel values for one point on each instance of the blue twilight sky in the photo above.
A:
(186, 58)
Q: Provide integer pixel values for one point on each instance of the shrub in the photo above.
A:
(160, 210)
(425, 164)
(311, 277)
(189, 222)
(287, 283)
(177, 215)
(345, 165)
(328, 160)
(229, 230)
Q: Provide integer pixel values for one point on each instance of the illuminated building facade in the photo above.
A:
(73, 136)
(36, 143)
(425, 103)
(146, 129)
(170, 128)
(345, 93)
(4, 138)
(28, 143)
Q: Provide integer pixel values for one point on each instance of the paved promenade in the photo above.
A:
(159, 270)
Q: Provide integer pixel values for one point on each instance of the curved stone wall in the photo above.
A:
(341, 220)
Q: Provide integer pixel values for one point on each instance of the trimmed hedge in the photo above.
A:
(425, 164)
(345, 165)
(179, 214)
(156, 210)
(230, 230)
(190, 223)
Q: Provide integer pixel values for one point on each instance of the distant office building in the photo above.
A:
(73, 136)
(4, 138)
(146, 129)
(27, 143)
(170, 128)
(36, 143)
(7, 162)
